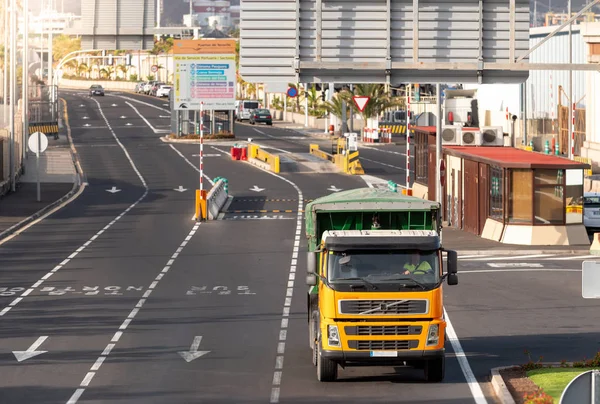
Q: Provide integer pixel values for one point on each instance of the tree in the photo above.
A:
(335, 107)
(63, 45)
(379, 100)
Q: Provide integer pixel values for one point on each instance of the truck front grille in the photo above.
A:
(383, 330)
(384, 307)
(374, 345)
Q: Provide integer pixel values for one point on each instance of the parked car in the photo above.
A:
(261, 115)
(243, 109)
(148, 87)
(591, 210)
(155, 87)
(163, 90)
(139, 87)
(96, 89)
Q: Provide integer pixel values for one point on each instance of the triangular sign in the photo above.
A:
(361, 102)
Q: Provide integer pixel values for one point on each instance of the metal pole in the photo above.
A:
(42, 42)
(525, 129)
(13, 80)
(37, 165)
(351, 111)
(25, 78)
(571, 151)
(191, 11)
(305, 106)
(201, 146)
(158, 13)
(50, 62)
(6, 46)
(408, 87)
(438, 142)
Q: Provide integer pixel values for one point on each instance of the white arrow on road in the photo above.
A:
(81, 105)
(164, 116)
(128, 124)
(180, 189)
(257, 189)
(87, 124)
(114, 105)
(31, 352)
(123, 117)
(113, 190)
(333, 188)
(85, 117)
(165, 105)
(193, 353)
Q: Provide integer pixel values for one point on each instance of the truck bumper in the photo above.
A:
(365, 358)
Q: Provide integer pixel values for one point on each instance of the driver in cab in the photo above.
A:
(416, 265)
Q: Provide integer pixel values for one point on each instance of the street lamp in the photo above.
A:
(13, 84)
(25, 77)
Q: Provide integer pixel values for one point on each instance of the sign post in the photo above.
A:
(38, 143)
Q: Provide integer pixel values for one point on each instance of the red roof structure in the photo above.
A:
(510, 157)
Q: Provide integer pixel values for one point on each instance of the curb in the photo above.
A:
(517, 251)
(499, 386)
(78, 185)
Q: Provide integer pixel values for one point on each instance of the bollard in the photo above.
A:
(226, 186)
(392, 186)
(547, 147)
(595, 247)
(531, 144)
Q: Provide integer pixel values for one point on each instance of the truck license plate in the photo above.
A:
(384, 354)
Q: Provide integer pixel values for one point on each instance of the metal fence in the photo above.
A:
(43, 104)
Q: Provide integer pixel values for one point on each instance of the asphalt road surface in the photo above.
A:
(121, 297)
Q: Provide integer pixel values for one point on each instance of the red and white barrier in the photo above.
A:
(386, 135)
(373, 135)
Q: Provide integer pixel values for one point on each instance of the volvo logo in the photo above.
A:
(383, 307)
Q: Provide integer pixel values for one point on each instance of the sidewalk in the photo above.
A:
(468, 243)
(59, 181)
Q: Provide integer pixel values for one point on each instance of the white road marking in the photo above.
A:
(464, 362)
(192, 164)
(515, 265)
(383, 151)
(96, 366)
(146, 121)
(384, 164)
(481, 271)
(506, 258)
(73, 255)
(143, 103)
(579, 257)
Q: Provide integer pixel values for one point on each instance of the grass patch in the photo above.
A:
(554, 380)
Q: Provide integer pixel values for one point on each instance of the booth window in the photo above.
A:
(574, 196)
(421, 158)
(496, 191)
(549, 196)
(520, 203)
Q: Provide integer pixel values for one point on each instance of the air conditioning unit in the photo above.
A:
(492, 136)
(471, 137)
(451, 135)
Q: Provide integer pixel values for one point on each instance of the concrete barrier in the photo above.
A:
(110, 85)
(269, 161)
(216, 199)
(315, 151)
(595, 247)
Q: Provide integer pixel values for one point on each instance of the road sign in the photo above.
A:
(32, 142)
(443, 173)
(204, 71)
(583, 389)
(292, 92)
(154, 68)
(342, 51)
(361, 102)
(590, 279)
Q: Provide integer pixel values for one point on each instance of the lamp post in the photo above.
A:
(25, 76)
(6, 46)
(50, 60)
(13, 77)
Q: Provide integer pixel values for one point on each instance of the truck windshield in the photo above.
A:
(385, 266)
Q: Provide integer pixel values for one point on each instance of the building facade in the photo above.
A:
(116, 24)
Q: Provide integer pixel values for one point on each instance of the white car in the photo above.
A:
(591, 210)
(163, 90)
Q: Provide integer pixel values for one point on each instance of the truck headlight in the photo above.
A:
(433, 335)
(333, 336)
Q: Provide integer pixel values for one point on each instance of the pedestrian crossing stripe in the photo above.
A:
(263, 211)
(268, 200)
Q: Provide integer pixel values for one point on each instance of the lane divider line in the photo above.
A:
(109, 347)
(192, 164)
(146, 121)
(116, 219)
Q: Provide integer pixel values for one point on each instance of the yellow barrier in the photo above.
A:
(353, 165)
(585, 160)
(315, 151)
(201, 211)
(526, 148)
(255, 152)
(47, 129)
(394, 128)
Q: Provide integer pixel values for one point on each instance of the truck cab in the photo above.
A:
(375, 283)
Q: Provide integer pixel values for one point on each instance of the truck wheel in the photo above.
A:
(435, 370)
(326, 369)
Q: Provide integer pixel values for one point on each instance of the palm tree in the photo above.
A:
(313, 99)
(335, 107)
(123, 69)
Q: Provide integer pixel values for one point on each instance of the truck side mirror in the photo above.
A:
(311, 279)
(311, 262)
(452, 262)
(452, 279)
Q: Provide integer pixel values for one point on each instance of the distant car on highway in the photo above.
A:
(96, 89)
(163, 90)
(261, 115)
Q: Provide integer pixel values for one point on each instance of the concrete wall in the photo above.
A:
(108, 85)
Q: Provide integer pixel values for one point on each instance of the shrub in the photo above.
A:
(538, 397)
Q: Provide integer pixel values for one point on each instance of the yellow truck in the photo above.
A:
(375, 275)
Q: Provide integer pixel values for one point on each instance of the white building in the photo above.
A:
(591, 146)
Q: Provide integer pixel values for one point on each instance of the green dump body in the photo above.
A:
(354, 210)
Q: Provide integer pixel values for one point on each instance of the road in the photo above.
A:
(140, 304)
